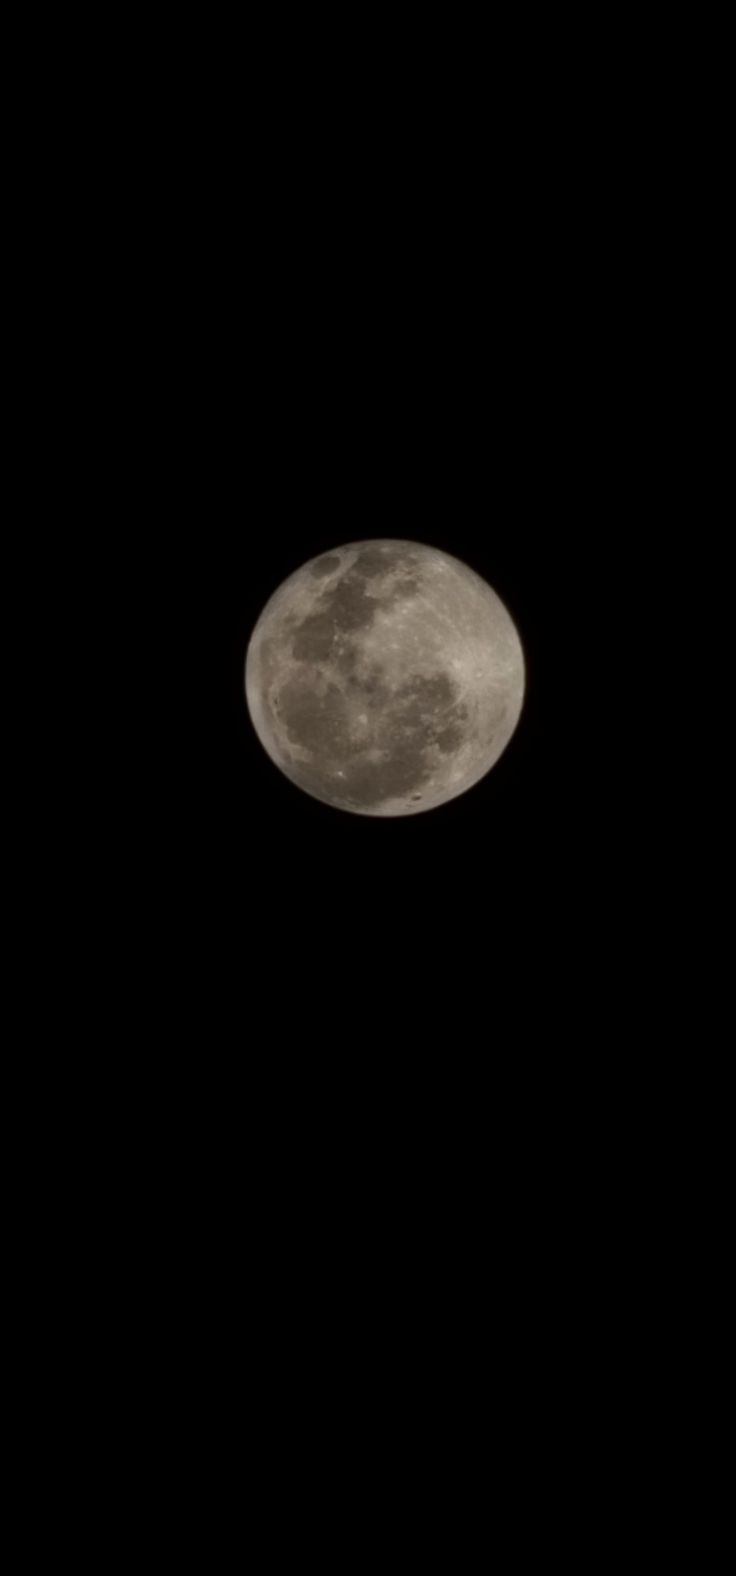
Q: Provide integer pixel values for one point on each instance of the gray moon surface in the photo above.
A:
(384, 677)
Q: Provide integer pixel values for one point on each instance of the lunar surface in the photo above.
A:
(384, 678)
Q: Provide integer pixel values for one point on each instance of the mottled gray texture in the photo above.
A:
(384, 677)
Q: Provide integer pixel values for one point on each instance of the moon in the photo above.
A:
(384, 678)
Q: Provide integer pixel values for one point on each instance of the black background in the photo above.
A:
(342, 306)
(360, 1091)
(304, 293)
(404, 318)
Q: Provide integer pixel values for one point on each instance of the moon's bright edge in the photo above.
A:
(385, 677)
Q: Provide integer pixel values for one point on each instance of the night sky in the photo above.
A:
(367, 1091)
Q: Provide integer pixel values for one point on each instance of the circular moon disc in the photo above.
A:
(384, 678)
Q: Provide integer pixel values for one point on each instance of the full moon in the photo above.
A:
(384, 678)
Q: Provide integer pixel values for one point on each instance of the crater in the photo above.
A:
(324, 566)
